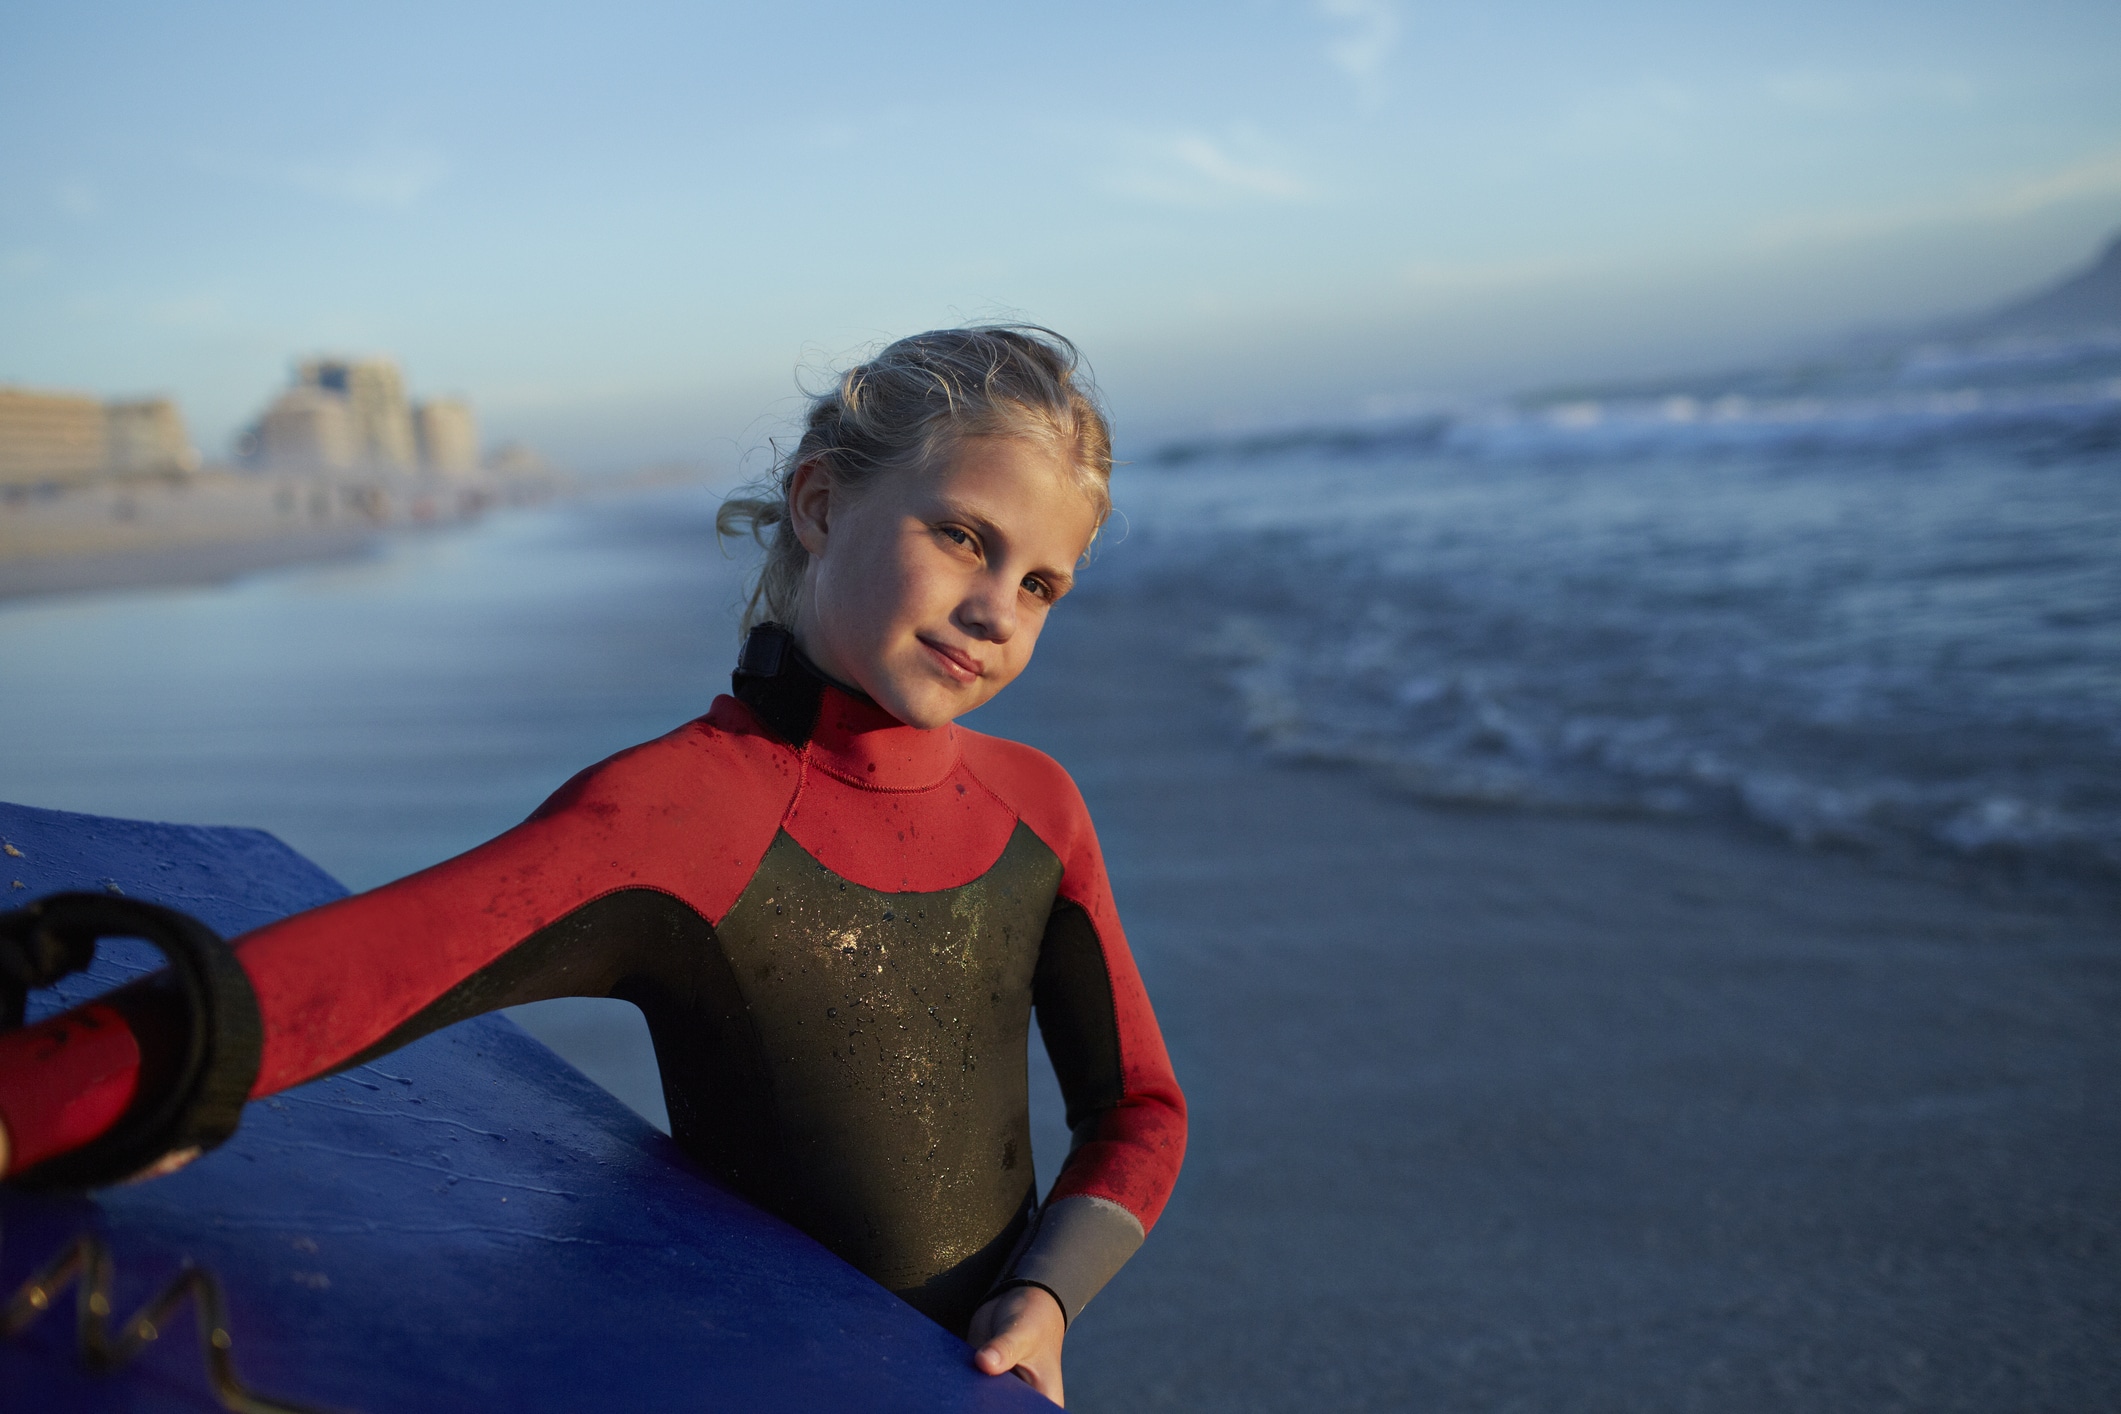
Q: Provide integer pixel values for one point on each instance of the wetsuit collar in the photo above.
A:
(841, 730)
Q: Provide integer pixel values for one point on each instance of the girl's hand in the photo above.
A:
(1019, 1332)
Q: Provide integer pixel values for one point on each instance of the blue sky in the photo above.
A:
(621, 229)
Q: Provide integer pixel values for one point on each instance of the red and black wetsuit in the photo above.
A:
(838, 928)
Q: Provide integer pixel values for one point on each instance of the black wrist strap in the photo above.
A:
(198, 1100)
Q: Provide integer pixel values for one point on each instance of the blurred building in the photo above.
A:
(339, 416)
(374, 393)
(307, 428)
(145, 437)
(67, 439)
(448, 437)
(50, 438)
(345, 414)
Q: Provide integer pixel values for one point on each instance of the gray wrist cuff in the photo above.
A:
(1072, 1249)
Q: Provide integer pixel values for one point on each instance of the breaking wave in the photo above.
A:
(1877, 607)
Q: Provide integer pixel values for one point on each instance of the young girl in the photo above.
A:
(837, 910)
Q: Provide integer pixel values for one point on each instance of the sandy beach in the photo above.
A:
(1496, 1111)
(215, 525)
(168, 566)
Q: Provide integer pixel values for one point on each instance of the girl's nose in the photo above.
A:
(989, 612)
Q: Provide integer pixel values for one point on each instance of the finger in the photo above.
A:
(1009, 1345)
(999, 1355)
(168, 1164)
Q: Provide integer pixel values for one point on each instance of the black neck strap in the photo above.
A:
(779, 684)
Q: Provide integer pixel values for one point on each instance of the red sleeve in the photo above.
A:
(67, 1080)
(1125, 1107)
(689, 815)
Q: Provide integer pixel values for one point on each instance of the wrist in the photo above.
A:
(1076, 1246)
(1026, 1284)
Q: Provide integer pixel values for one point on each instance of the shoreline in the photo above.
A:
(179, 564)
(155, 556)
(214, 524)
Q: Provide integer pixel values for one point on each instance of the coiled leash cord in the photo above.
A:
(86, 1263)
(194, 1107)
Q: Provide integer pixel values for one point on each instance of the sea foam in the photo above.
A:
(1877, 606)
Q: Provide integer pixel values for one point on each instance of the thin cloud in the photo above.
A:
(1368, 37)
(1835, 91)
(2101, 176)
(1444, 279)
(190, 312)
(1651, 115)
(383, 179)
(1999, 201)
(79, 200)
(1212, 162)
(1194, 170)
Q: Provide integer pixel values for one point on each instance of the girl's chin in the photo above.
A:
(928, 704)
(928, 711)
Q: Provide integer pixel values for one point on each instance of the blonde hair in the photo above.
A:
(906, 408)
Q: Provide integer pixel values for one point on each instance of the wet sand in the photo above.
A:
(1494, 1111)
(177, 565)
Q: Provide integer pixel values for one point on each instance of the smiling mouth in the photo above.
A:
(959, 664)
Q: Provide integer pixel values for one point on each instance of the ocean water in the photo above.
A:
(1874, 606)
(382, 713)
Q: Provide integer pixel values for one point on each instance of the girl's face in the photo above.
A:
(928, 589)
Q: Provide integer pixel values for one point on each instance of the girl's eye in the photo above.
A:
(1038, 586)
(956, 535)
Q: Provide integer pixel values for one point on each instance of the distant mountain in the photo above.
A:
(2082, 304)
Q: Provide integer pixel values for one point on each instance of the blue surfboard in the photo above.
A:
(468, 1224)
